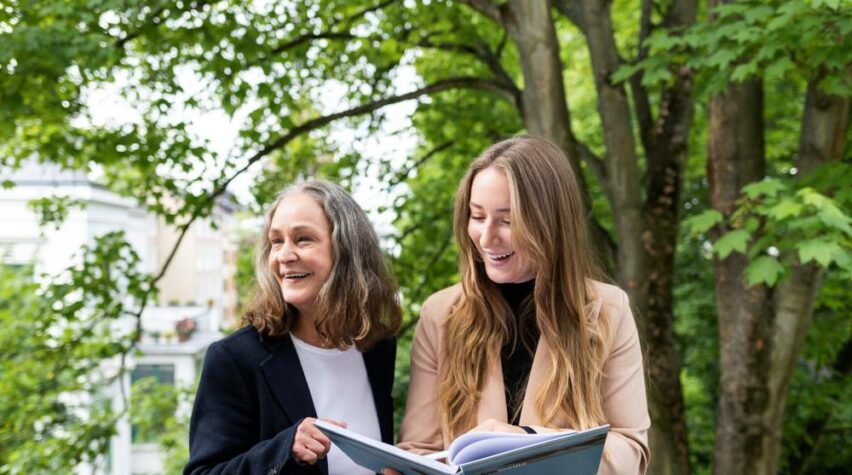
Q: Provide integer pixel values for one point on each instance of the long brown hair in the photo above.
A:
(358, 303)
(548, 223)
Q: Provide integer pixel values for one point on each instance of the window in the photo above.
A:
(162, 374)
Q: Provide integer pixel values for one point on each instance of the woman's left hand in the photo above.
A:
(493, 425)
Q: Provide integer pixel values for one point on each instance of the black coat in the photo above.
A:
(252, 396)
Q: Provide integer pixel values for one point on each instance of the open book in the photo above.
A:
(478, 453)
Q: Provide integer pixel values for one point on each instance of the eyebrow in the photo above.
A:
(297, 228)
(501, 210)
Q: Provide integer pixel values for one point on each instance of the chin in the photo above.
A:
(498, 277)
(296, 299)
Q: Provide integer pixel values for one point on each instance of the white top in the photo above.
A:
(341, 391)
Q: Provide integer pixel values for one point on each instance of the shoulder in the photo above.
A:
(614, 305)
(439, 304)
(385, 347)
(611, 297)
(244, 346)
(246, 336)
(434, 312)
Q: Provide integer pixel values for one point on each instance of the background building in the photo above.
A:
(198, 286)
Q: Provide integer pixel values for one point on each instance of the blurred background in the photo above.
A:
(141, 140)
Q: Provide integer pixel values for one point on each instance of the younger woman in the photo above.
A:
(530, 341)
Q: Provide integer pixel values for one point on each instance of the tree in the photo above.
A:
(763, 319)
(611, 83)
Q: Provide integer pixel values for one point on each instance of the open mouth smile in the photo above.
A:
(500, 257)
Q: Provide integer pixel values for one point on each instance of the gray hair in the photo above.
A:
(358, 302)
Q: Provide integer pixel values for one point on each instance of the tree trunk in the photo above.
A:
(737, 158)
(647, 233)
(544, 107)
(823, 137)
(666, 161)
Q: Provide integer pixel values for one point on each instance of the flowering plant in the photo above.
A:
(185, 327)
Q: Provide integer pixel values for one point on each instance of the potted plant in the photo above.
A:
(185, 327)
(168, 336)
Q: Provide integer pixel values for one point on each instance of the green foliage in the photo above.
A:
(768, 39)
(161, 411)
(783, 222)
(695, 331)
(816, 430)
(53, 210)
(701, 223)
(273, 67)
(61, 344)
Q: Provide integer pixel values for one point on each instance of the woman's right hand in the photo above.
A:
(310, 445)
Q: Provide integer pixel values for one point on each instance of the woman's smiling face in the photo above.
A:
(301, 254)
(489, 228)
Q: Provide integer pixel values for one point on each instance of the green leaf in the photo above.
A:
(836, 219)
(777, 69)
(764, 270)
(768, 187)
(744, 71)
(785, 209)
(722, 58)
(820, 250)
(751, 224)
(813, 197)
(624, 72)
(832, 4)
(732, 241)
(703, 222)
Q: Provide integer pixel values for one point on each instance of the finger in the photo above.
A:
(315, 446)
(317, 435)
(306, 424)
(304, 455)
(336, 422)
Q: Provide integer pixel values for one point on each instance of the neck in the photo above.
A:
(306, 331)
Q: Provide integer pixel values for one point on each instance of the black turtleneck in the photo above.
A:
(519, 348)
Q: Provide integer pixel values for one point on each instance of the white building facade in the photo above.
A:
(199, 284)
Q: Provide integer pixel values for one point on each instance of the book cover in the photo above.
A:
(481, 453)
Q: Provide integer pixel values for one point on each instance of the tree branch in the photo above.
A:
(363, 12)
(443, 85)
(485, 7)
(641, 102)
(153, 20)
(404, 174)
(302, 39)
(334, 32)
(484, 54)
(573, 11)
(595, 163)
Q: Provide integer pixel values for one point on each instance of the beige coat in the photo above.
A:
(625, 404)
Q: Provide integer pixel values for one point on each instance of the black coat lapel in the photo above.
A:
(286, 380)
(380, 368)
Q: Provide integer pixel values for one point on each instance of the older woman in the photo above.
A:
(531, 340)
(319, 343)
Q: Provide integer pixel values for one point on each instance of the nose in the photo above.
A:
(489, 235)
(286, 253)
